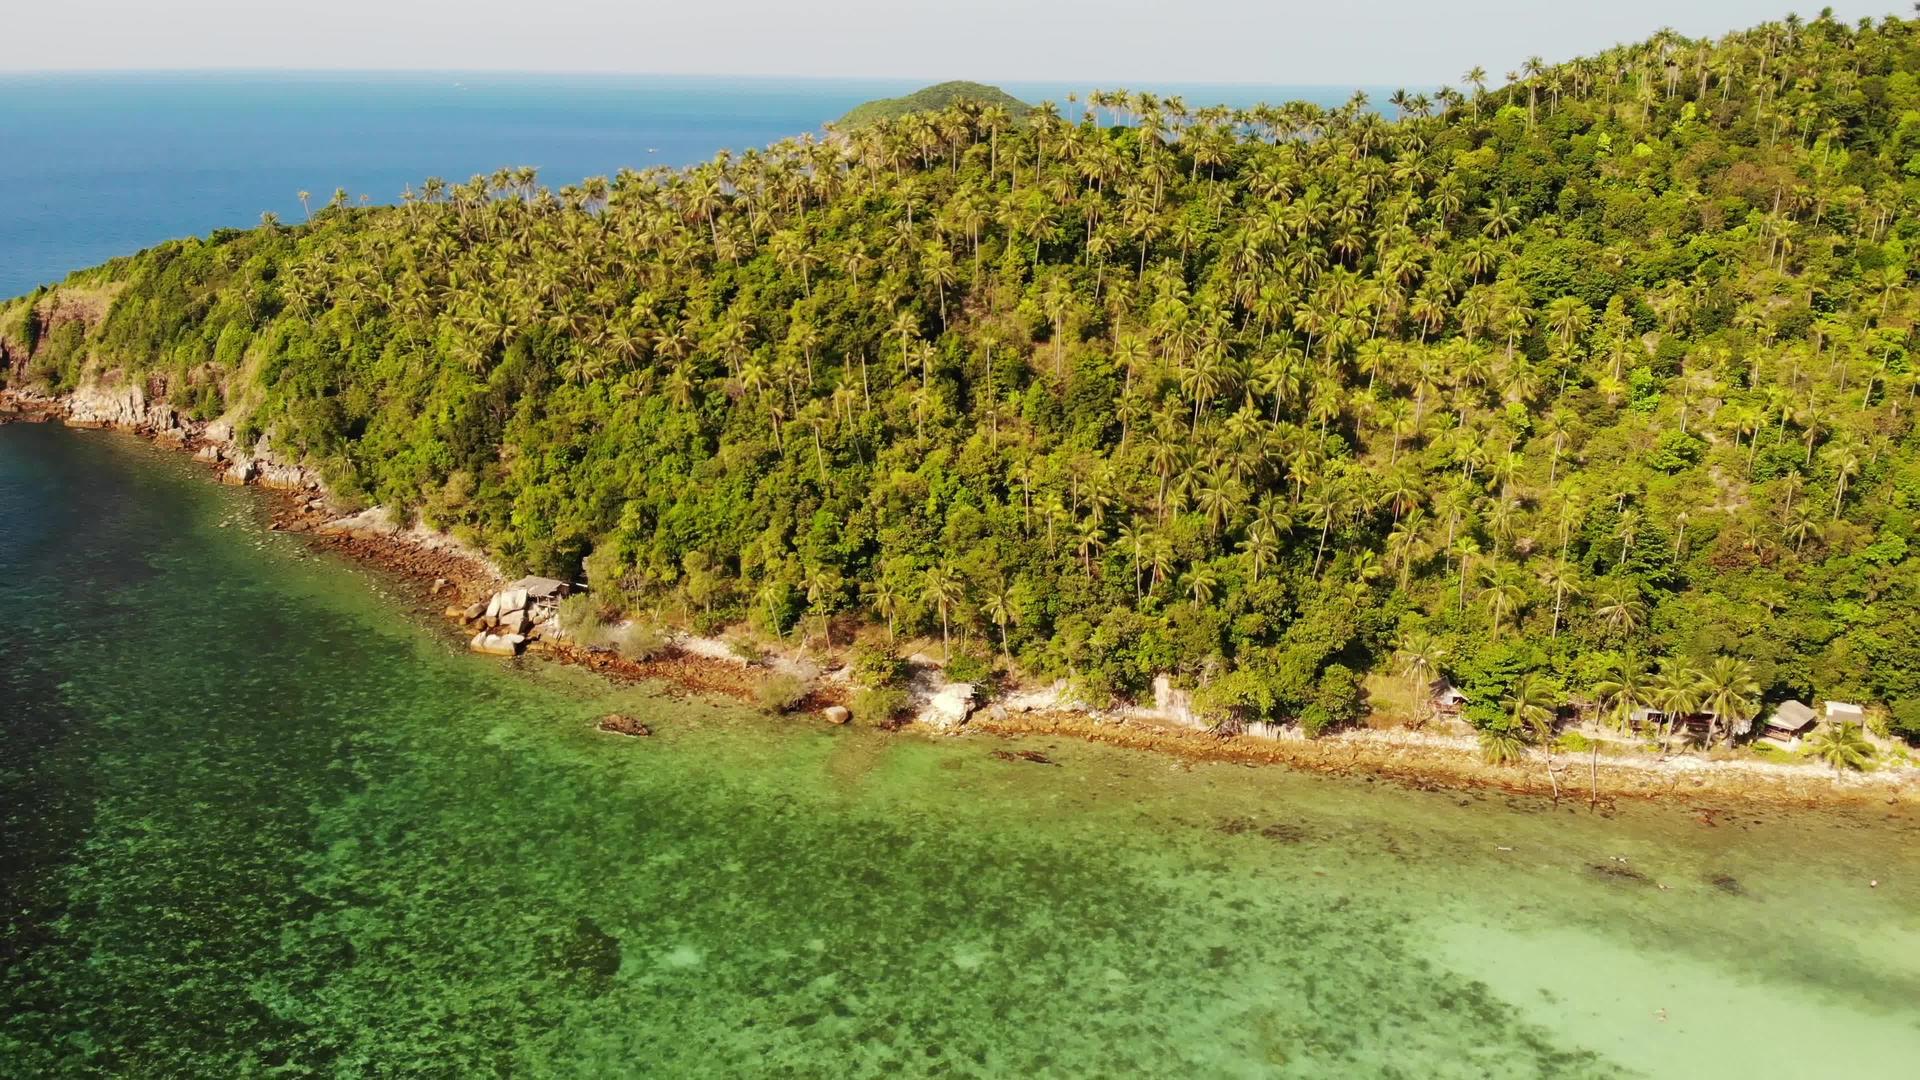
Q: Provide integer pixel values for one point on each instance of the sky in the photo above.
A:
(1415, 43)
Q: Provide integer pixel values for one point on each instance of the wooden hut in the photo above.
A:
(1446, 698)
(543, 595)
(1786, 724)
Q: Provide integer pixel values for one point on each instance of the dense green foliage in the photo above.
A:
(933, 99)
(1542, 387)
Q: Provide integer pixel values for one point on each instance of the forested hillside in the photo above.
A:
(1595, 384)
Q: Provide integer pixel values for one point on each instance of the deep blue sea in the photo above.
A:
(98, 165)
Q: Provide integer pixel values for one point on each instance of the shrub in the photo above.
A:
(635, 640)
(878, 704)
(1905, 718)
(1572, 742)
(968, 668)
(579, 617)
(747, 650)
(877, 665)
(780, 692)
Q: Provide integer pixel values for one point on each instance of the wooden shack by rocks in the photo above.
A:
(522, 612)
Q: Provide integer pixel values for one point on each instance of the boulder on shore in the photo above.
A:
(836, 714)
(241, 472)
(947, 707)
(497, 644)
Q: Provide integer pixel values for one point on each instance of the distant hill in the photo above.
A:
(932, 99)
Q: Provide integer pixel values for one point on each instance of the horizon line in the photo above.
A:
(1094, 84)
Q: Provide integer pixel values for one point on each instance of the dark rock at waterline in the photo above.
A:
(618, 724)
(1618, 872)
(1285, 833)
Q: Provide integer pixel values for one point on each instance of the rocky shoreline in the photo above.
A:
(445, 572)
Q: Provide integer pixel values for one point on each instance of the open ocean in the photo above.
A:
(98, 165)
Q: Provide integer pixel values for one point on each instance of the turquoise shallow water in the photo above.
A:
(260, 819)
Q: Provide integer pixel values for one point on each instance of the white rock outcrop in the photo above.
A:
(946, 707)
(497, 644)
(112, 401)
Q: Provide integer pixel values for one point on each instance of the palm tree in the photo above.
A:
(1502, 745)
(1259, 547)
(1842, 746)
(1624, 689)
(887, 601)
(1476, 77)
(1000, 607)
(1562, 580)
(943, 588)
(1676, 693)
(1201, 583)
(1730, 693)
(1503, 596)
(1619, 605)
(1419, 655)
(1529, 704)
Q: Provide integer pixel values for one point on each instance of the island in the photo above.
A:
(934, 99)
(1567, 415)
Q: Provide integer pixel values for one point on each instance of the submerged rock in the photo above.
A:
(1617, 872)
(621, 724)
(1034, 756)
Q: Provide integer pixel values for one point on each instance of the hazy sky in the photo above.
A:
(1418, 43)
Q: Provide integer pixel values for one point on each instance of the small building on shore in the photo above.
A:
(1846, 712)
(1787, 723)
(1445, 698)
(542, 595)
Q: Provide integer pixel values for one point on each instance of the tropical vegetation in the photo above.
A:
(1594, 384)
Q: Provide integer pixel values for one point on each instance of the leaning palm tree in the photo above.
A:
(1529, 706)
(1842, 746)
